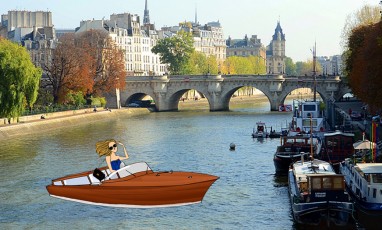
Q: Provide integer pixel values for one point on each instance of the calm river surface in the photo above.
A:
(247, 196)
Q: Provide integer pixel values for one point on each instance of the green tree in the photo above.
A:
(19, 79)
(306, 68)
(175, 51)
(290, 67)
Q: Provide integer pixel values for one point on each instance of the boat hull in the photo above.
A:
(149, 190)
(322, 213)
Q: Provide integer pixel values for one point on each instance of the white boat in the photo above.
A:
(364, 184)
(318, 195)
(260, 131)
(306, 117)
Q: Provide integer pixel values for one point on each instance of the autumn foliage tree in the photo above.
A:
(363, 64)
(88, 62)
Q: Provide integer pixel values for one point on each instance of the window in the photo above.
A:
(327, 183)
(377, 177)
(316, 183)
(309, 108)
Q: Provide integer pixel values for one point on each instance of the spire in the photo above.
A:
(146, 17)
(278, 32)
(196, 15)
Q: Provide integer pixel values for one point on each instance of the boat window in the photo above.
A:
(374, 192)
(327, 183)
(377, 177)
(316, 183)
(309, 107)
(337, 182)
(306, 122)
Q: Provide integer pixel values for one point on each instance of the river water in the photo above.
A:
(247, 196)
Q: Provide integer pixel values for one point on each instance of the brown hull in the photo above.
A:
(153, 189)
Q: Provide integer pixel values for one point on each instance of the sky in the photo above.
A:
(304, 22)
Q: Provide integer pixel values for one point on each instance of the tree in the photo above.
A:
(306, 68)
(175, 51)
(19, 79)
(64, 70)
(290, 67)
(106, 63)
(367, 15)
(244, 65)
(363, 64)
(89, 62)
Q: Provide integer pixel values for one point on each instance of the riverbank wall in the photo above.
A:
(33, 125)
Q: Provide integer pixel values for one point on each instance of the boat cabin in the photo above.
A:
(367, 181)
(307, 116)
(296, 144)
(319, 187)
(337, 146)
(260, 126)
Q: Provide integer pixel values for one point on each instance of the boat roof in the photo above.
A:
(337, 132)
(317, 167)
(370, 167)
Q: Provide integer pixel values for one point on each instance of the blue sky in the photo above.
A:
(303, 21)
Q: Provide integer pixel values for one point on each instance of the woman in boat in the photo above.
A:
(109, 149)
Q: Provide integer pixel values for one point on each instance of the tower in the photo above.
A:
(146, 17)
(276, 52)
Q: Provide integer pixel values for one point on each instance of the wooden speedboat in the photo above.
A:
(134, 185)
(318, 195)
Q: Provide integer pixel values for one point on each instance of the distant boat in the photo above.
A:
(135, 185)
(260, 131)
(318, 195)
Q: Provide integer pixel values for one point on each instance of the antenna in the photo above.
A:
(314, 72)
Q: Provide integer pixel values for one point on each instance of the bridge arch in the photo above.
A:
(286, 93)
(174, 98)
(229, 92)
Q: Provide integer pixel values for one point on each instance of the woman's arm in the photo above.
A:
(124, 149)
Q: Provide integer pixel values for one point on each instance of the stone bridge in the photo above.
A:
(166, 91)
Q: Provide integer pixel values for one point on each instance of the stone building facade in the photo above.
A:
(246, 47)
(125, 30)
(32, 29)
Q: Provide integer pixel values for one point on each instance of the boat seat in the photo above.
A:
(93, 180)
(77, 181)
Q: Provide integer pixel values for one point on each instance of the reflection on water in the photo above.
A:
(247, 195)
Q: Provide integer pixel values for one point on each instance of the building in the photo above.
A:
(276, 52)
(33, 30)
(246, 47)
(125, 30)
(208, 38)
(331, 66)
